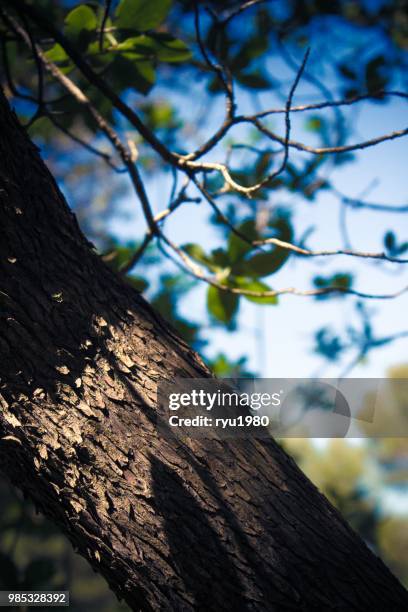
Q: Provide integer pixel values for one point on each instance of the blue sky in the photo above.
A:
(278, 340)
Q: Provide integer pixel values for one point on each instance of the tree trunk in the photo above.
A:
(192, 525)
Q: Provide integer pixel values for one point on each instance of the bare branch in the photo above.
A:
(320, 86)
(137, 255)
(84, 144)
(228, 124)
(221, 215)
(248, 191)
(240, 9)
(161, 216)
(108, 4)
(287, 122)
(287, 245)
(225, 80)
(308, 253)
(358, 203)
(331, 103)
(187, 161)
(9, 79)
(327, 150)
(195, 270)
(141, 192)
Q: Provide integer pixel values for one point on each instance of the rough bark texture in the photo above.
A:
(193, 525)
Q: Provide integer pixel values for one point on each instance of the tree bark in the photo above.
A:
(171, 525)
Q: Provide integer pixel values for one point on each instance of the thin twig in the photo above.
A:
(81, 63)
(9, 78)
(137, 255)
(181, 162)
(240, 9)
(221, 215)
(248, 191)
(287, 245)
(40, 75)
(79, 95)
(358, 203)
(330, 103)
(367, 341)
(326, 92)
(309, 253)
(287, 122)
(85, 145)
(228, 124)
(195, 270)
(10, 83)
(328, 150)
(227, 83)
(181, 198)
(187, 163)
(103, 24)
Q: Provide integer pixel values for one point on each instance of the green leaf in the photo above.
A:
(100, 59)
(197, 253)
(255, 285)
(170, 49)
(81, 20)
(222, 305)
(347, 72)
(120, 255)
(160, 115)
(146, 76)
(314, 124)
(237, 247)
(351, 92)
(389, 241)
(223, 367)
(141, 15)
(328, 344)
(341, 280)
(261, 263)
(264, 264)
(250, 50)
(263, 165)
(374, 74)
(393, 247)
(135, 47)
(220, 259)
(57, 55)
(164, 48)
(137, 282)
(139, 75)
(253, 80)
